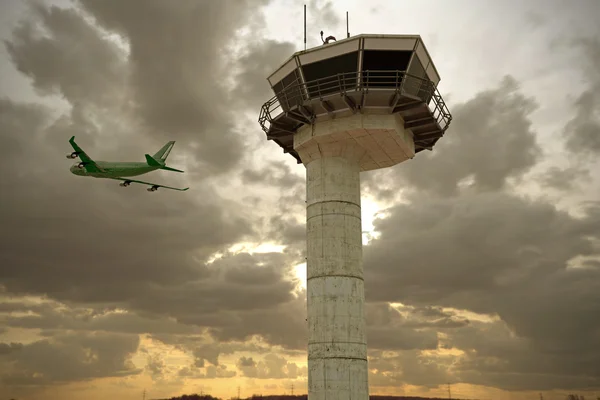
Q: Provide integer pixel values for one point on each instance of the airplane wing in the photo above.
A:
(89, 164)
(154, 186)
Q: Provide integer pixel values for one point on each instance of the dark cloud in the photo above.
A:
(175, 55)
(495, 253)
(388, 330)
(582, 132)
(69, 358)
(7, 348)
(52, 317)
(489, 141)
(246, 362)
(259, 60)
(496, 357)
(79, 241)
(274, 174)
(564, 178)
(61, 62)
(460, 240)
(407, 367)
(111, 265)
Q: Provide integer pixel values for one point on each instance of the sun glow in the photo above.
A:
(369, 209)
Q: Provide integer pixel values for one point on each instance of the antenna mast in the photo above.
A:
(305, 27)
(347, 26)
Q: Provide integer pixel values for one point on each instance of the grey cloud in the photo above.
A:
(208, 353)
(173, 79)
(210, 372)
(259, 60)
(283, 324)
(213, 372)
(54, 316)
(490, 140)
(246, 362)
(564, 178)
(204, 351)
(7, 348)
(275, 174)
(69, 358)
(155, 365)
(287, 229)
(387, 329)
(534, 19)
(582, 132)
(63, 63)
(142, 253)
(495, 253)
(146, 255)
(479, 240)
(271, 366)
(407, 367)
(496, 357)
(324, 16)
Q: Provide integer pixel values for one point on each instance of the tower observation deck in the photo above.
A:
(358, 104)
(380, 74)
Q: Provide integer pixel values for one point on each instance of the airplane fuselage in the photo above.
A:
(115, 169)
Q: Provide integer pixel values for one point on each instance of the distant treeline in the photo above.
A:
(299, 397)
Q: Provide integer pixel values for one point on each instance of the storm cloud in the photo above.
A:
(473, 276)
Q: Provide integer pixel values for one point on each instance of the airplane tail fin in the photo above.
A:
(155, 163)
(163, 153)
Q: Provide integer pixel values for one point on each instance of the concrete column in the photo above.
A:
(337, 349)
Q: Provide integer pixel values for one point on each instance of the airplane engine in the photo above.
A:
(124, 184)
(153, 189)
(80, 165)
(72, 155)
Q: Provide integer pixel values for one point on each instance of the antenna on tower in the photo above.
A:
(305, 27)
(347, 26)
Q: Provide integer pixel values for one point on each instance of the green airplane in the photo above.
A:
(120, 170)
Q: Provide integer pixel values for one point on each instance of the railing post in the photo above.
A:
(319, 89)
(287, 102)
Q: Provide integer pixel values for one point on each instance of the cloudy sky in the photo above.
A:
(482, 258)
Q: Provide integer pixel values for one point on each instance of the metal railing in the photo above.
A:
(299, 93)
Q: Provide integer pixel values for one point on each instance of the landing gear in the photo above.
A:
(153, 188)
(72, 155)
(125, 184)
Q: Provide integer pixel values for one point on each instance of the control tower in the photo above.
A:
(358, 104)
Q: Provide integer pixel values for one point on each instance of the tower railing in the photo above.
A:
(299, 94)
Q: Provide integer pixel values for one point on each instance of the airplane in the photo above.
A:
(122, 170)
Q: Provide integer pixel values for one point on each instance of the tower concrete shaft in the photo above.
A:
(335, 152)
(337, 348)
